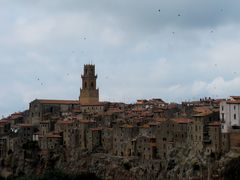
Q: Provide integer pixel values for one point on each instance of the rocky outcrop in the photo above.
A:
(182, 163)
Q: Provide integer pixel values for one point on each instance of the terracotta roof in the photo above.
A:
(92, 104)
(25, 125)
(96, 129)
(233, 102)
(202, 114)
(153, 144)
(183, 120)
(51, 135)
(145, 126)
(126, 126)
(154, 123)
(86, 121)
(4, 121)
(215, 123)
(202, 109)
(48, 101)
(65, 122)
(235, 97)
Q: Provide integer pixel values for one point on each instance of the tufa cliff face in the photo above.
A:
(182, 163)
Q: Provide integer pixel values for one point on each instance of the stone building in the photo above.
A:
(26, 132)
(144, 147)
(165, 138)
(43, 109)
(122, 137)
(107, 139)
(70, 129)
(215, 140)
(225, 140)
(50, 141)
(94, 137)
(181, 131)
(4, 146)
(93, 107)
(45, 127)
(5, 127)
(89, 94)
(200, 129)
(84, 127)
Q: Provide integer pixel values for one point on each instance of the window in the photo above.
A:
(234, 107)
(235, 116)
(222, 108)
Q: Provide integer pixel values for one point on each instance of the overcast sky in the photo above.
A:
(174, 49)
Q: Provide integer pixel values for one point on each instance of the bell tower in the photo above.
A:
(89, 93)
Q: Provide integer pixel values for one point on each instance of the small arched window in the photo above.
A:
(92, 84)
(85, 84)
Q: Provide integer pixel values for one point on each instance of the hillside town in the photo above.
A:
(150, 131)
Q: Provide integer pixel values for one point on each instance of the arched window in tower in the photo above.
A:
(92, 84)
(85, 84)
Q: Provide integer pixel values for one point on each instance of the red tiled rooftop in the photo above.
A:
(215, 123)
(126, 126)
(86, 121)
(48, 101)
(25, 125)
(183, 120)
(233, 101)
(96, 129)
(92, 104)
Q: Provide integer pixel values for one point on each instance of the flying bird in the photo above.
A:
(179, 14)
(159, 10)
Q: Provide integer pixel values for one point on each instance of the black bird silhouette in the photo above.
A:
(179, 14)
(159, 10)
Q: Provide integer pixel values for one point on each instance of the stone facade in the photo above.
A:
(4, 146)
(50, 141)
(122, 136)
(144, 147)
(107, 139)
(89, 94)
(43, 109)
(94, 138)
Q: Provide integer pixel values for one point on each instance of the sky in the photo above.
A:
(176, 50)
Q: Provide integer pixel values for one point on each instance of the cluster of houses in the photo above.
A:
(148, 129)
